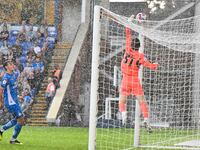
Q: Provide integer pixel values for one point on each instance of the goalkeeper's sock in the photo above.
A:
(146, 120)
(124, 117)
(144, 109)
(122, 107)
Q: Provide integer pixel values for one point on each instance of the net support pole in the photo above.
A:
(94, 79)
(137, 125)
(137, 106)
(196, 80)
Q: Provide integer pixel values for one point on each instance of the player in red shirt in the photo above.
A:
(130, 84)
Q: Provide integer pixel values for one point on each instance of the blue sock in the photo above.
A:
(9, 124)
(17, 130)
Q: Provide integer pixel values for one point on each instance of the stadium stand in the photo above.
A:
(40, 109)
(31, 65)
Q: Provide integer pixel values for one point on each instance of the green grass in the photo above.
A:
(122, 138)
(66, 138)
(47, 138)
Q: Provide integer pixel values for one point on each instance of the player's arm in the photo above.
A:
(129, 36)
(2, 86)
(146, 63)
(31, 102)
(128, 39)
(1, 98)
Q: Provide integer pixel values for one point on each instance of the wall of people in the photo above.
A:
(30, 48)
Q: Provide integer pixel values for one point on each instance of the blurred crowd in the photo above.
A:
(30, 48)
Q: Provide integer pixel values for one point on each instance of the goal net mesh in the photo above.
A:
(172, 91)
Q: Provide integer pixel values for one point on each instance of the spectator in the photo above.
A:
(37, 34)
(4, 35)
(8, 55)
(1, 71)
(17, 51)
(23, 29)
(36, 49)
(28, 67)
(57, 75)
(38, 65)
(18, 65)
(21, 36)
(27, 100)
(38, 79)
(16, 71)
(32, 82)
(26, 85)
(43, 29)
(30, 34)
(30, 55)
(22, 60)
(50, 91)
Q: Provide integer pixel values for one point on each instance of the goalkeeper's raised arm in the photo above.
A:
(130, 83)
(146, 63)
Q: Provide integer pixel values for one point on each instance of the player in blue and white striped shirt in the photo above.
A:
(9, 97)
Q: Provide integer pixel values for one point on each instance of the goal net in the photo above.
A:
(172, 91)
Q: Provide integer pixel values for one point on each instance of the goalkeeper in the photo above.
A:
(130, 83)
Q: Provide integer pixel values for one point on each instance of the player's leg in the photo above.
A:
(139, 93)
(17, 130)
(7, 126)
(145, 111)
(20, 122)
(122, 107)
(143, 106)
(125, 91)
(122, 103)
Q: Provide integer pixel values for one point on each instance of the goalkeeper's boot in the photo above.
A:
(15, 142)
(1, 135)
(148, 127)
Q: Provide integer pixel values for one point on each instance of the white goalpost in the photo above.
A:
(172, 91)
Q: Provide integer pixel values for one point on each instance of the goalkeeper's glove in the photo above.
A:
(131, 18)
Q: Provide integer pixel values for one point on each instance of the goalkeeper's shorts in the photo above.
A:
(131, 85)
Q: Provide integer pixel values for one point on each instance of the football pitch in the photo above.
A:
(71, 138)
(47, 138)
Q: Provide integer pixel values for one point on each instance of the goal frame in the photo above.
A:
(94, 79)
(95, 83)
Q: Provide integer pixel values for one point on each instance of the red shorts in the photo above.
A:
(131, 85)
